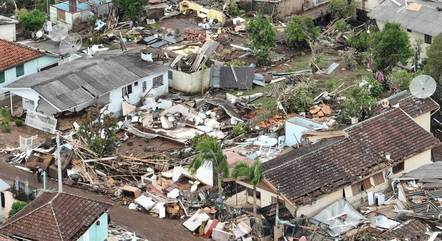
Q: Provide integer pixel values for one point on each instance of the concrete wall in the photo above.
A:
(7, 32)
(30, 67)
(116, 98)
(98, 231)
(424, 121)
(417, 161)
(190, 83)
(319, 204)
(414, 38)
(4, 212)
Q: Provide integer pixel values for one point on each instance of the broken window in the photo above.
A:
(127, 90)
(144, 86)
(378, 179)
(409, 30)
(398, 168)
(2, 77)
(428, 39)
(361, 186)
(136, 83)
(157, 81)
(19, 70)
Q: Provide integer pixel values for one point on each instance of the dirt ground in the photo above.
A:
(12, 139)
(180, 22)
(136, 145)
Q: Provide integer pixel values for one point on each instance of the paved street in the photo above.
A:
(144, 225)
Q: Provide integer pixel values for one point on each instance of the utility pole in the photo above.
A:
(59, 175)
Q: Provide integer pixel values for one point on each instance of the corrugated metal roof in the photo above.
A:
(81, 81)
(426, 20)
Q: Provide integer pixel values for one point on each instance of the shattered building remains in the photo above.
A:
(347, 167)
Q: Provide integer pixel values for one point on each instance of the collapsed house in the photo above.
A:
(84, 82)
(75, 12)
(48, 217)
(420, 19)
(348, 166)
(285, 8)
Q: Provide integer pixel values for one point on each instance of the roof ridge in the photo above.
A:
(55, 218)
(26, 215)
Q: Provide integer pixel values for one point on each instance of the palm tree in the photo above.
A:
(209, 150)
(253, 173)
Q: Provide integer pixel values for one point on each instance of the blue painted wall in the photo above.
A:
(30, 67)
(97, 232)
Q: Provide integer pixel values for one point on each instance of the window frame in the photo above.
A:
(17, 67)
(157, 81)
(126, 90)
(428, 39)
(2, 77)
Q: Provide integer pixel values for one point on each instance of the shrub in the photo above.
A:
(299, 31)
(18, 122)
(16, 207)
(299, 98)
(400, 79)
(232, 8)
(263, 36)
(31, 21)
(360, 42)
(239, 129)
(6, 119)
(342, 8)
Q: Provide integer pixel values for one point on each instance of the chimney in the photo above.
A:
(72, 6)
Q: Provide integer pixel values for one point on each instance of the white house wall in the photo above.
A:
(30, 67)
(116, 98)
(27, 94)
(7, 32)
(424, 121)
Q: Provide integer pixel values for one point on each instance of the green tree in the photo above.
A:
(342, 8)
(253, 173)
(433, 64)
(131, 9)
(262, 34)
(360, 42)
(31, 21)
(209, 150)
(390, 47)
(99, 132)
(232, 8)
(301, 31)
(16, 207)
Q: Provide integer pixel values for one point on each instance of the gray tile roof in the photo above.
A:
(81, 81)
(427, 20)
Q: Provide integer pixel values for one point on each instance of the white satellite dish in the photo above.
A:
(422, 86)
(71, 44)
(58, 32)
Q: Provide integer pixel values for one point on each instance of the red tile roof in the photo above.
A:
(55, 217)
(326, 166)
(12, 54)
(410, 104)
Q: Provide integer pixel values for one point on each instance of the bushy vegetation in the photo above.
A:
(16, 207)
(131, 9)
(342, 8)
(31, 21)
(262, 34)
(232, 8)
(400, 79)
(300, 30)
(299, 98)
(390, 47)
(360, 42)
(99, 132)
(6, 119)
(239, 129)
(358, 104)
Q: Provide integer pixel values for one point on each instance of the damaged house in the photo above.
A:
(420, 19)
(59, 216)
(107, 79)
(360, 161)
(75, 12)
